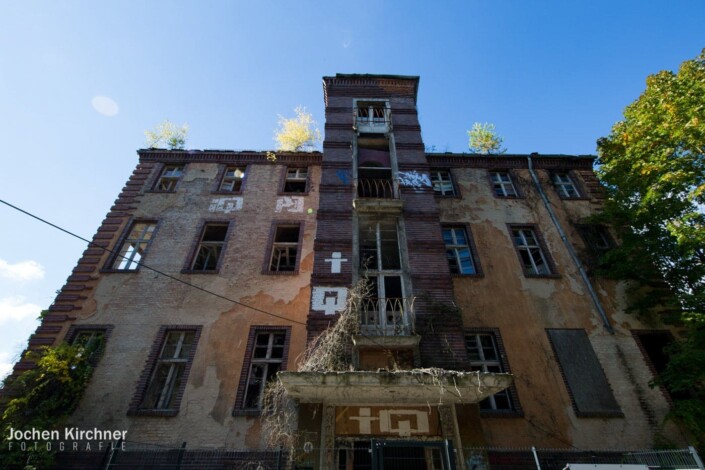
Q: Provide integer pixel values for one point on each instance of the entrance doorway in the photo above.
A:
(397, 455)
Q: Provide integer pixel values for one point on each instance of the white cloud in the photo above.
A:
(22, 271)
(16, 308)
(105, 105)
(5, 365)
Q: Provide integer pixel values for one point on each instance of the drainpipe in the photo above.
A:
(571, 251)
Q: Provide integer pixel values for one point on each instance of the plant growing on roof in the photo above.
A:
(167, 134)
(484, 139)
(298, 133)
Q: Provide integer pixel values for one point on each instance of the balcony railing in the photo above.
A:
(372, 119)
(377, 188)
(387, 316)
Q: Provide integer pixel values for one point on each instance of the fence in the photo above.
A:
(360, 456)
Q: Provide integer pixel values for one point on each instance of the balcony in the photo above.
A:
(372, 119)
(377, 195)
(387, 317)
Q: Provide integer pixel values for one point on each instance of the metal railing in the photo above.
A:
(377, 188)
(387, 316)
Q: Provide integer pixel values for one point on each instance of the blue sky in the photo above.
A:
(552, 76)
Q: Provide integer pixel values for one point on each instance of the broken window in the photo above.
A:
(232, 179)
(528, 245)
(171, 174)
(502, 184)
(170, 370)
(285, 248)
(461, 259)
(385, 307)
(296, 180)
(268, 354)
(134, 246)
(442, 182)
(564, 185)
(484, 353)
(210, 247)
(93, 342)
(371, 113)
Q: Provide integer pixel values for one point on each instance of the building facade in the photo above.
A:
(223, 266)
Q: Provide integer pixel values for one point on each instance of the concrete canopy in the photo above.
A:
(419, 386)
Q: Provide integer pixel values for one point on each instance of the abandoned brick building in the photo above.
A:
(475, 263)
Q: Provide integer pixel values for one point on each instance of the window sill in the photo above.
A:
(509, 197)
(576, 198)
(191, 271)
(447, 196)
(304, 193)
(227, 193)
(542, 276)
(156, 413)
(501, 414)
(281, 273)
(247, 412)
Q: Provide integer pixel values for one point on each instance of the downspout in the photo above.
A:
(571, 251)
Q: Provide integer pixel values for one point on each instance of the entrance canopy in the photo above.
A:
(431, 386)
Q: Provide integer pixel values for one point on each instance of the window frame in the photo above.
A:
(136, 407)
(174, 180)
(197, 243)
(559, 187)
(285, 179)
(541, 244)
(454, 187)
(75, 331)
(247, 362)
(266, 267)
(512, 180)
(222, 173)
(515, 409)
(471, 247)
(116, 251)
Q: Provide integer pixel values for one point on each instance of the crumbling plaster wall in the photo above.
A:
(522, 308)
(137, 304)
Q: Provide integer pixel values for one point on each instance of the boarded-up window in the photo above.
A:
(587, 385)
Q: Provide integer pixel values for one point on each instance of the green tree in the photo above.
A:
(44, 397)
(653, 166)
(484, 139)
(298, 133)
(167, 134)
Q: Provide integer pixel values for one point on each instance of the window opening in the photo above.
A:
(502, 184)
(135, 246)
(296, 179)
(565, 186)
(484, 357)
(285, 248)
(374, 167)
(532, 256)
(169, 177)
(460, 259)
(442, 183)
(169, 370)
(232, 179)
(266, 361)
(210, 247)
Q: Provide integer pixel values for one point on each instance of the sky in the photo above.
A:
(81, 81)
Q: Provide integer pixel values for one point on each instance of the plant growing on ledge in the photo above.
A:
(297, 134)
(484, 139)
(167, 134)
(43, 398)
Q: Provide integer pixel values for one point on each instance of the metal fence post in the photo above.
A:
(536, 458)
(180, 457)
(696, 457)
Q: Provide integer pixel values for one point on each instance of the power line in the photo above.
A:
(169, 276)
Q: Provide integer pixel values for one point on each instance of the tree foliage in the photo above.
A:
(484, 139)
(44, 397)
(167, 134)
(653, 166)
(298, 133)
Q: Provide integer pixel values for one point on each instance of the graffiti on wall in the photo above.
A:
(225, 205)
(329, 300)
(290, 204)
(414, 179)
(336, 261)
